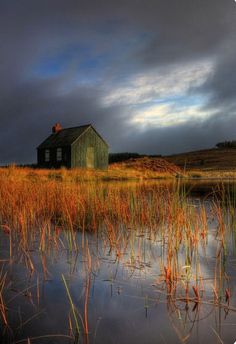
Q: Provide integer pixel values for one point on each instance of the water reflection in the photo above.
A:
(134, 287)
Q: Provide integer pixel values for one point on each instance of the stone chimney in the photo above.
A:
(56, 128)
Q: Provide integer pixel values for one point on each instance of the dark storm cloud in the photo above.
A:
(59, 59)
(188, 30)
(222, 84)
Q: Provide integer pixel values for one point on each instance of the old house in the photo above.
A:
(73, 147)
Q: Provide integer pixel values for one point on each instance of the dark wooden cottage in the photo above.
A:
(73, 147)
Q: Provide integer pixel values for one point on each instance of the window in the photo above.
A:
(59, 154)
(47, 155)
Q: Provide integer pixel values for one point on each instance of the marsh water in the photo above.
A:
(119, 290)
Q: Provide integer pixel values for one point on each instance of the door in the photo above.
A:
(90, 157)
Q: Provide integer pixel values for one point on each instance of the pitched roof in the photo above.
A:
(64, 137)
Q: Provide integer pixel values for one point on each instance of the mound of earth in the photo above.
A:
(150, 164)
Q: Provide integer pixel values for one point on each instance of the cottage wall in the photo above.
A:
(87, 148)
(53, 163)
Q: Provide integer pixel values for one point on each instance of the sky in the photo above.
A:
(153, 77)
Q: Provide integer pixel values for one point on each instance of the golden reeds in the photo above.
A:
(43, 211)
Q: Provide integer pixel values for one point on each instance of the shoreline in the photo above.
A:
(113, 174)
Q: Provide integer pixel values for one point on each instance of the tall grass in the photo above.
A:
(43, 211)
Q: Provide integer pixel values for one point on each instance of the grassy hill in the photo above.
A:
(206, 161)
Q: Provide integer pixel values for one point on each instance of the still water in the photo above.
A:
(120, 290)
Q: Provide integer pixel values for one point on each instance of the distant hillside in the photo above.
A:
(206, 160)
